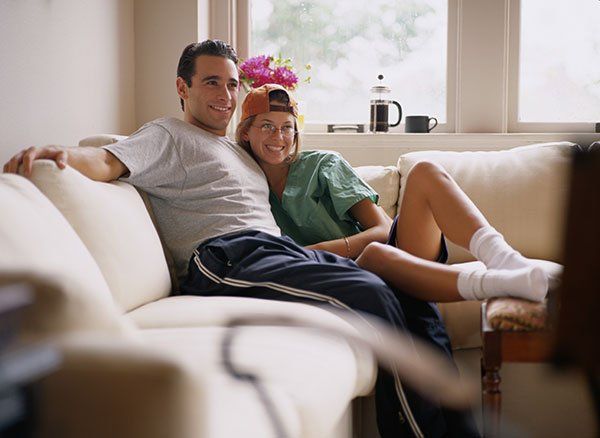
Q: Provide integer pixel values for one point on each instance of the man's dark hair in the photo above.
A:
(187, 62)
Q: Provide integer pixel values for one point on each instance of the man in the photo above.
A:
(210, 199)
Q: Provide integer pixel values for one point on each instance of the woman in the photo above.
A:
(319, 201)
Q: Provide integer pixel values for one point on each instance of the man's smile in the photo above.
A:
(222, 109)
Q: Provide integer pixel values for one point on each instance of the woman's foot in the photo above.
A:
(530, 283)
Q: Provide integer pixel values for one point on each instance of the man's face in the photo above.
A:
(211, 100)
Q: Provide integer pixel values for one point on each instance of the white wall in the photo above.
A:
(66, 71)
(162, 29)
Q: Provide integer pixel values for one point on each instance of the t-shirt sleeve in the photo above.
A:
(150, 155)
(344, 185)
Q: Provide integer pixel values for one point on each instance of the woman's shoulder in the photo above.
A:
(318, 157)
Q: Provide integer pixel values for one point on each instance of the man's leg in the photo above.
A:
(258, 265)
(424, 320)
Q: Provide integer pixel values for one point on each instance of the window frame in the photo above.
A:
(514, 125)
(480, 34)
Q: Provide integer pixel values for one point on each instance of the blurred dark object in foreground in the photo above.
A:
(578, 306)
(21, 365)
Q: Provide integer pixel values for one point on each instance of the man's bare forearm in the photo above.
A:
(96, 163)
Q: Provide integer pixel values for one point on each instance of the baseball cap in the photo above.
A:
(257, 102)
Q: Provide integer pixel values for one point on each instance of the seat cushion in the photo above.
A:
(112, 221)
(40, 248)
(317, 373)
(521, 191)
(193, 311)
(513, 314)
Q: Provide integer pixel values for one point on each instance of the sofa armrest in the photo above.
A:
(110, 387)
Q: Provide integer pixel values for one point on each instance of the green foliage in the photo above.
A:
(318, 31)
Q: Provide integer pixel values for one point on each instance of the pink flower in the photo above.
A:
(285, 77)
(262, 69)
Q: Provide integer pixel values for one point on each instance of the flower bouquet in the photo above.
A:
(263, 69)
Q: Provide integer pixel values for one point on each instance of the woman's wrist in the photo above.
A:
(348, 251)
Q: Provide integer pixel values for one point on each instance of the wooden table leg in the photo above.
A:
(491, 400)
(491, 361)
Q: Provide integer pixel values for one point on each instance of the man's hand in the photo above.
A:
(95, 163)
(28, 156)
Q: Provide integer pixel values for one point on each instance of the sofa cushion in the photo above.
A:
(521, 191)
(62, 306)
(386, 182)
(39, 247)
(317, 373)
(112, 221)
(195, 311)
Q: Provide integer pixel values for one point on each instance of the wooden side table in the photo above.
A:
(508, 342)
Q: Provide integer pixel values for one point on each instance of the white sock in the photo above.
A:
(489, 246)
(530, 283)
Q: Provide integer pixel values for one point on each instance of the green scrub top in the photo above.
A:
(321, 188)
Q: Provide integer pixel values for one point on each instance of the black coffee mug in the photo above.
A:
(419, 123)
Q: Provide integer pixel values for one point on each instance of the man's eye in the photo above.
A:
(233, 86)
(211, 82)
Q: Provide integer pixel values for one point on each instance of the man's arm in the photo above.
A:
(95, 163)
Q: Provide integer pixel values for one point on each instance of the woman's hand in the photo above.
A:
(376, 225)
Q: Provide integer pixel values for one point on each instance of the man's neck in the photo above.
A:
(194, 121)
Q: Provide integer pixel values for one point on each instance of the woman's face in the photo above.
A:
(271, 137)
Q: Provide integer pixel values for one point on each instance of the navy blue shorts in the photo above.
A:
(442, 256)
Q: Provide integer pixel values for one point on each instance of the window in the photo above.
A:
(477, 66)
(559, 61)
(348, 44)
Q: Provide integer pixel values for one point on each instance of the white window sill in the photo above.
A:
(384, 149)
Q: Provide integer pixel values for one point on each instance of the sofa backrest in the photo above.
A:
(521, 191)
(112, 221)
(39, 247)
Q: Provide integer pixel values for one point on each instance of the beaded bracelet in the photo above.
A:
(347, 246)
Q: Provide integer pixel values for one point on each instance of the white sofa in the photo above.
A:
(138, 362)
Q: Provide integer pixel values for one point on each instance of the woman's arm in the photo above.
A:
(374, 221)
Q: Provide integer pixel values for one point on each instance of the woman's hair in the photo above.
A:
(276, 97)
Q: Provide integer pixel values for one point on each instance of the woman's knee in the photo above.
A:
(371, 256)
(377, 256)
(425, 172)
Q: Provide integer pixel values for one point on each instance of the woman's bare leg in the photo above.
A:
(423, 279)
(433, 203)
(431, 281)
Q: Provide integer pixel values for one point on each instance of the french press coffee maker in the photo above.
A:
(380, 104)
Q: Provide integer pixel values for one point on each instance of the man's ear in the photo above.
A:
(182, 88)
(245, 135)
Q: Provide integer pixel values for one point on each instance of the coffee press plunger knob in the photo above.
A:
(380, 77)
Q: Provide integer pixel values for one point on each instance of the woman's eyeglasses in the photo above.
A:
(270, 129)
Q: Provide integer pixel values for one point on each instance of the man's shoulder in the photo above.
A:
(167, 123)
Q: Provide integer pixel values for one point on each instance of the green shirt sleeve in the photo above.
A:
(343, 185)
(320, 190)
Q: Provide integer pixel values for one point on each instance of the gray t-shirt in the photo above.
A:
(200, 185)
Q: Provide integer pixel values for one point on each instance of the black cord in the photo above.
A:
(266, 401)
